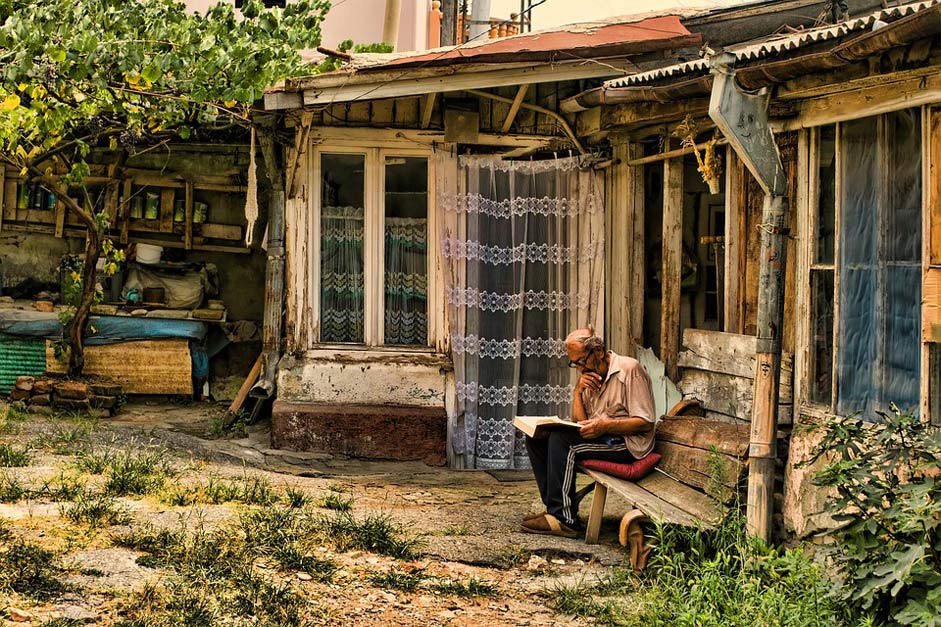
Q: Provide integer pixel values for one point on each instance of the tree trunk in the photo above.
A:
(79, 323)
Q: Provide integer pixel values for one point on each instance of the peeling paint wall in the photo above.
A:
(24, 256)
(364, 378)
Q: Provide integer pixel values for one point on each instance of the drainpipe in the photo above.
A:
(274, 276)
(743, 119)
(480, 18)
(390, 25)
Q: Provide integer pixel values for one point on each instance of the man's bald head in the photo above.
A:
(584, 340)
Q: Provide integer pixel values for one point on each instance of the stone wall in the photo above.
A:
(803, 501)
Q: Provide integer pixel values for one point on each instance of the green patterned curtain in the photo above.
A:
(341, 274)
(406, 284)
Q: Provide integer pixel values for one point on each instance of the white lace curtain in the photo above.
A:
(524, 246)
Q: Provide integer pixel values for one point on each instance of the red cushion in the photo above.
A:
(632, 472)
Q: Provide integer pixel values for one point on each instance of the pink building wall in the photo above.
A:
(361, 21)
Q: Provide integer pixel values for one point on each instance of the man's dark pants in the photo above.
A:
(553, 460)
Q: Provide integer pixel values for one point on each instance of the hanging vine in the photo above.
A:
(710, 164)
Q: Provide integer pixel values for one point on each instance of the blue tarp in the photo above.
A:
(108, 329)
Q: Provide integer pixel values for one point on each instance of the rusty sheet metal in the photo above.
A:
(782, 44)
(591, 40)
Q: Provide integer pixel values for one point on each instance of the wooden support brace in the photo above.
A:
(60, 216)
(515, 107)
(126, 212)
(427, 108)
(593, 528)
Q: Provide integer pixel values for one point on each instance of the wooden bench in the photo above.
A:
(676, 491)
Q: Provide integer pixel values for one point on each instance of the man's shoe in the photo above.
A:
(549, 525)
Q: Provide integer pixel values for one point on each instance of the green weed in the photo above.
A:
(13, 456)
(396, 579)
(375, 533)
(133, 473)
(95, 462)
(28, 569)
(11, 490)
(63, 440)
(336, 502)
(455, 530)
(248, 489)
(95, 510)
(296, 497)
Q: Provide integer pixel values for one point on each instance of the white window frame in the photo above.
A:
(807, 216)
(375, 153)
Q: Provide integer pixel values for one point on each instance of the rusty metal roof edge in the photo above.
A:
(776, 45)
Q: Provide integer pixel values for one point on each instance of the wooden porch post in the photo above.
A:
(671, 268)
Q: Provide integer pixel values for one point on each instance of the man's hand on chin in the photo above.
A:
(593, 428)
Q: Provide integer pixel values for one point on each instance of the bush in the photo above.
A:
(888, 502)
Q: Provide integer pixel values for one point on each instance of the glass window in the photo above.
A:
(343, 187)
(406, 245)
(821, 273)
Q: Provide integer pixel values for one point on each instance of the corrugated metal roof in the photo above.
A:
(776, 44)
(20, 356)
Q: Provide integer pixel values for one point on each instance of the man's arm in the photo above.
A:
(597, 427)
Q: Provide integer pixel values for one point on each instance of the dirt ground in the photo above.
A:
(468, 523)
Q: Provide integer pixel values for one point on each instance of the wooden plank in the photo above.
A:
(3, 200)
(145, 367)
(9, 198)
(934, 187)
(222, 231)
(515, 107)
(188, 217)
(729, 353)
(61, 212)
(597, 512)
(166, 210)
(151, 179)
(649, 503)
(704, 434)
(734, 249)
(646, 113)
(382, 114)
(700, 505)
(672, 265)
(692, 466)
(126, 212)
(407, 112)
(638, 273)
(427, 108)
(724, 393)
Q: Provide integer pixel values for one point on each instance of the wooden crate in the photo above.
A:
(143, 367)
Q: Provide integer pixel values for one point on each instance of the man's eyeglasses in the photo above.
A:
(581, 363)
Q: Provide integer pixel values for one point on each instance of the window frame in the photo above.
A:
(808, 215)
(375, 154)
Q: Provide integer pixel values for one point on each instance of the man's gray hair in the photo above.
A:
(587, 338)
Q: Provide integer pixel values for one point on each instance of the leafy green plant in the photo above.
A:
(376, 533)
(888, 506)
(11, 489)
(132, 473)
(296, 497)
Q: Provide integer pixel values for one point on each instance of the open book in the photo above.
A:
(539, 426)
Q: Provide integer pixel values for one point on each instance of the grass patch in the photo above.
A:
(296, 497)
(63, 622)
(248, 489)
(722, 577)
(29, 570)
(11, 418)
(11, 490)
(417, 579)
(336, 502)
(396, 579)
(376, 533)
(13, 456)
(63, 440)
(96, 510)
(455, 530)
(62, 488)
(138, 473)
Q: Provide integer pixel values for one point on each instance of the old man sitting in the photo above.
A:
(613, 402)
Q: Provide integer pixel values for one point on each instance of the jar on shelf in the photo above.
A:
(152, 206)
(179, 211)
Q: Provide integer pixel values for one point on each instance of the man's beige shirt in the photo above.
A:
(625, 393)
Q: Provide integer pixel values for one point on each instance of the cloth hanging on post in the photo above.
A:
(525, 255)
(251, 195)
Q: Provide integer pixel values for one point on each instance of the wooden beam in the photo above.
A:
(672, 257)
(934, 187)
(735, 234)
(60, 216)
(126, 212)
(647, 113)
(514, 108)
(3, 199)
(382, 86)
(670, 154)
(427, 108)
(188, 219)
(9, 197)
(874, 100)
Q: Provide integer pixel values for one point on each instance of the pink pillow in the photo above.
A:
(633, 471)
